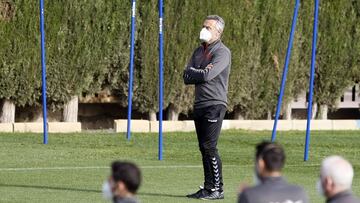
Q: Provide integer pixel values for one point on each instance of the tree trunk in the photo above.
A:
(173, 115)
(269, 115)
(152, 115)
(314, 110)
(287, 113)
(37, 114)
(238, 115)
(322, 112)
(7, 112)
(70, 112)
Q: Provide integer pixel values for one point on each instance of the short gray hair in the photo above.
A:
(339, 170)
(220, 23)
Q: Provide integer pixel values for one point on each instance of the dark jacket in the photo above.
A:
(343, 197)
(126, 200)
(211, 85)
(274, 189)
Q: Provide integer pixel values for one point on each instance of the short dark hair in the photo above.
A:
(128, 173)
(273, 155)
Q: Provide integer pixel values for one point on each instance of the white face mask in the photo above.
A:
(205, 35)
(106, 191)
(319, 188)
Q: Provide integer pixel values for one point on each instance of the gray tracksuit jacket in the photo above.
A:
(126, 200)
(274, 190)
(211, 84)
(343, 197)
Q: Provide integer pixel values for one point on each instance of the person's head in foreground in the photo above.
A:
(269, 160)
(270, 185)
(123, 182)
(336, 175)
(212, 30)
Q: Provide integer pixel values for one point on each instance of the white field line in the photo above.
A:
(142, 167)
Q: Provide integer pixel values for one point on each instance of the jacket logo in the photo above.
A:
(212, 120)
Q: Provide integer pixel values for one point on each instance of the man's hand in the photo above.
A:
(209, 66)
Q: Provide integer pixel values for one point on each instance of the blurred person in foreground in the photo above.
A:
(271, 186)
(336, 176)
(123, 183)
(209, 69)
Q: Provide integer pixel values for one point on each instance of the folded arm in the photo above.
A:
(219, 62)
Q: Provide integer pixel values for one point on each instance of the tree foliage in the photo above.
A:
(333, 70)
(88, 50)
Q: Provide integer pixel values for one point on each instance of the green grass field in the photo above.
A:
(72, 167)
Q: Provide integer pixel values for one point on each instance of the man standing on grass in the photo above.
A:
(336, 176)
(209, 70)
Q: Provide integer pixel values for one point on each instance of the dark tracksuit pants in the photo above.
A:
(208, 122)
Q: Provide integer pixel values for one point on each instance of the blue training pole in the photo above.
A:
(131, 70)
(161, 53)
(312, 73)
(286, 65)
(43, 72)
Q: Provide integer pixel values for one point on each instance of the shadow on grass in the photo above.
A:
(159, 195)
(83, 190)
(50, 188)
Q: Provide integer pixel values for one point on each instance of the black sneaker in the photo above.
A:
(214, 195)
(206, 194)
(197, 195)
